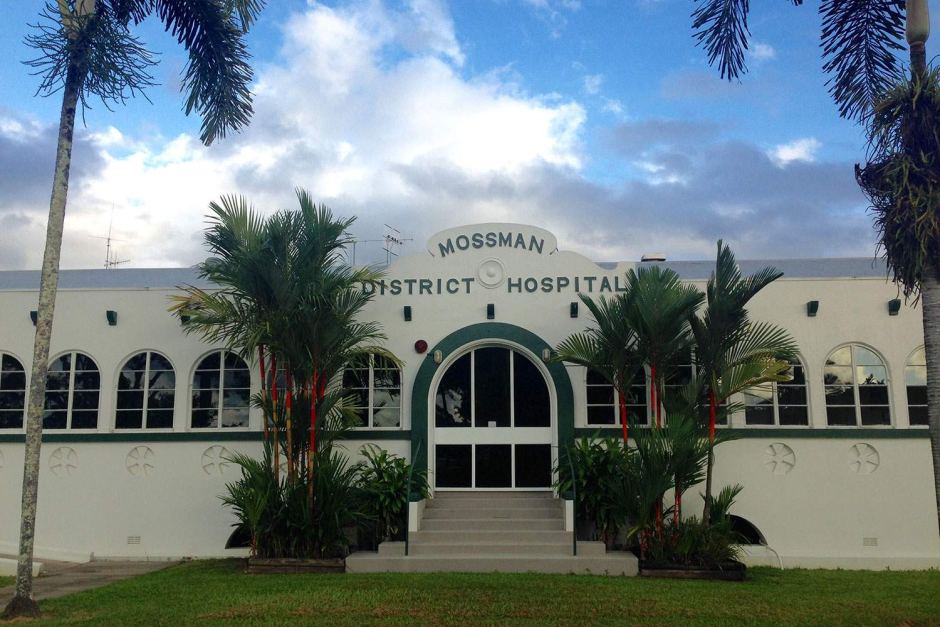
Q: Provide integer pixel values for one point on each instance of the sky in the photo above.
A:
(598, 120)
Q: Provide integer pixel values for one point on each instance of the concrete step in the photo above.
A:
(610, 564)
(493, 550)
(488, 536)
(480, 495)
(492, 524)
(533, 511)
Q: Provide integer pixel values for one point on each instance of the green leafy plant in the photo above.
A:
(385, 491)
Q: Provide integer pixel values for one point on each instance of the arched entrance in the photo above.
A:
(492, 423)
(452, 347)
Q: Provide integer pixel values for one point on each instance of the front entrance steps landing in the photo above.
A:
(506, 532)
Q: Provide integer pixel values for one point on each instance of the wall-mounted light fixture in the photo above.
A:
(490, 311)
(812, 308)
(34, 315)
(406, 312)
(438, 357)
(111, 316)
(546, 354)
(573, 309)
(894, 306)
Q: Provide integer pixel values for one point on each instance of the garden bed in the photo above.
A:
(295, 566)
(732, 571)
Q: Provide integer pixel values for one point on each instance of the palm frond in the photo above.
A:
(720, 26)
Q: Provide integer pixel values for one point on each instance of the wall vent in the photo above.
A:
(869, 541)
(133, 539)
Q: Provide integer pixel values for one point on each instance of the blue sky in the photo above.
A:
(598, 120)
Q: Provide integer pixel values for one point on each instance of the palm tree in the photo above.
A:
(86, 49)
(609, 348)
(902, 182)
(732, 353)
(862, 41)
(658, 306)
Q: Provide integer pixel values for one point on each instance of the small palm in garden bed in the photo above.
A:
(693, 548)
(385, 492)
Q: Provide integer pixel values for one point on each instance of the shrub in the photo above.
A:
(384, 490)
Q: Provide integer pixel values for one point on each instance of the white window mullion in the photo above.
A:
(71, 390)
(512, 389)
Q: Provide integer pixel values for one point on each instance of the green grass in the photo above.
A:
(209, 592)
(6, 581)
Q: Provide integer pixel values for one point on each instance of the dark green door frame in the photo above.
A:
(420, 391)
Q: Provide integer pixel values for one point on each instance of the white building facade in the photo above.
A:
(835, 465)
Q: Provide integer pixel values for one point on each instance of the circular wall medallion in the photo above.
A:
(139, 462)
(864, 458)
(491, 273)
(779, 458)
(215, 460)
(63, 461)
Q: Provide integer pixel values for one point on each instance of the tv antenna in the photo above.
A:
(354, 241)
(393, 241)
(110, 257)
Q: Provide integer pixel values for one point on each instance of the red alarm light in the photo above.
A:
(421, 347)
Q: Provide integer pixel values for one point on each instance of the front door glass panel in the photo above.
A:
(494, 466)
(454, 465)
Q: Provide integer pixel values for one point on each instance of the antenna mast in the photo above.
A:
(110, 258)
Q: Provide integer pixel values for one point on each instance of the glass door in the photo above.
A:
(493, 423)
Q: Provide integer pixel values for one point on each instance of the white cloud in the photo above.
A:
(762, 52)
(803, 149)
(592, 83)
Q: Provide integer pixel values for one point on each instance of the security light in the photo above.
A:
(811, 308)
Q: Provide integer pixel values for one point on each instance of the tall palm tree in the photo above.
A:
(733, 353)
(86, 49)
(609, 348)
(658, 305)
(902, 181)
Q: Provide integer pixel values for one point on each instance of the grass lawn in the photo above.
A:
(6, 581)
(217, 592)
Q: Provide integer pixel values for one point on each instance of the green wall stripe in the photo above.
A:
(457, 340)
(821, 434)
(192, 436)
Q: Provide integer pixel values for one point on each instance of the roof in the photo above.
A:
(157, 278)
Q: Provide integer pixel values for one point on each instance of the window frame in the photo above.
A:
(26, 374)
(71, 393)
(221, 389)
(907, 396)
(855, 387)
(146, 393)
(370, 410)
(616, 402)
(776, 402)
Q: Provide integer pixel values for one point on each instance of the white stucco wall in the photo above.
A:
(820, 512)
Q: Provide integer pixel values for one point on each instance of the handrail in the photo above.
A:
(574, 509)
(411, 469)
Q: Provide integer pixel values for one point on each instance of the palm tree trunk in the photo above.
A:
(312, 447)
(623, 417)
(22, 603)
(930, 308)
(264, 374)
(712, 413)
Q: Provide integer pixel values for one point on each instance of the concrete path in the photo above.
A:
(63, 578)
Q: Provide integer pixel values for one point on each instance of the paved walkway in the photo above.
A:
(61, 578)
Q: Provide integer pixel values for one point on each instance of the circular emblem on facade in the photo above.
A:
(491, 273)
(63, 461)
(780, 458)
(139, 462)
(215, 460)
(864, 458)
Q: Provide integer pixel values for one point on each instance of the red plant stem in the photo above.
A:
(312, 450)
(264, 419)
(277, 430)
(712, 415)
(653, 396)
(288, 406)
(623, 417)
(677, 510)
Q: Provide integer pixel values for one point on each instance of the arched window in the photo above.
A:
(856, 382)
(221, 391)
(603, 402)
(146, 392)
(781, 403)
(377, 388)
(915, 378)
(73, 386)
(12, 392)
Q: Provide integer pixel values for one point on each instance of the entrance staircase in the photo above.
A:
(509, 532)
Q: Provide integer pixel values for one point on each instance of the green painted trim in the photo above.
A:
(458, 339)
(822, 434)
(190, 436)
